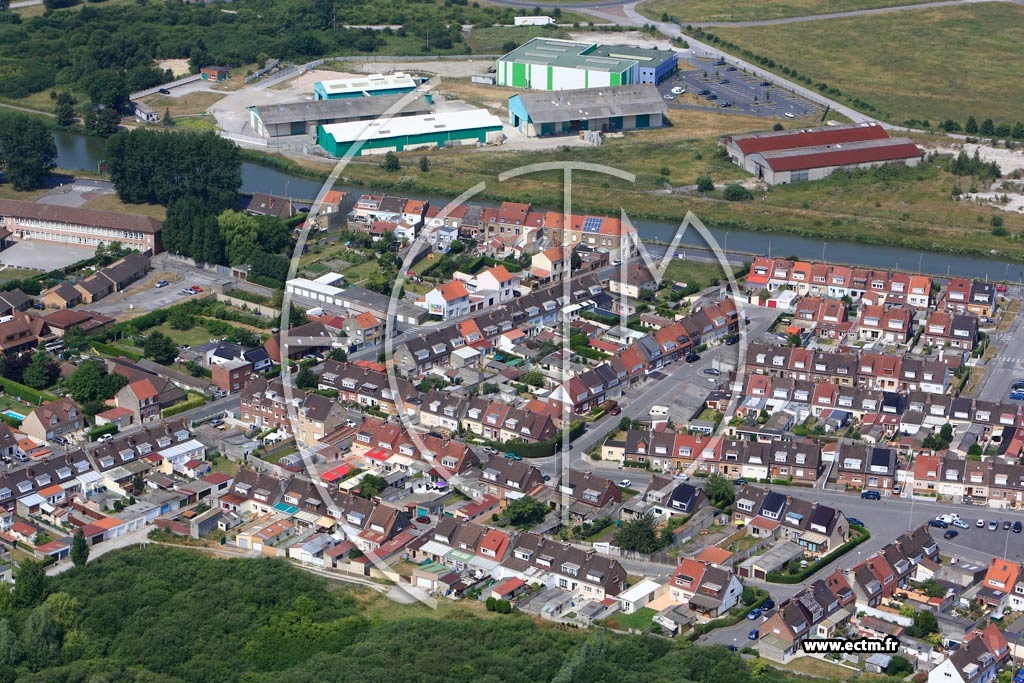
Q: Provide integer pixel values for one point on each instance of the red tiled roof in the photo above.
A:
(844, 157)
(813, 138)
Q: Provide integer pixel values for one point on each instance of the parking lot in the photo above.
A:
(144, 295)
(728, 88)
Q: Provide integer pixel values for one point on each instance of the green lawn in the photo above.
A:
(927, 64)
(360, 271)
(640, 619)
(491, 40)
(193, 337)
(700, 273)
(752, 10)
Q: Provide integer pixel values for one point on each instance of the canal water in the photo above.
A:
(81, 152)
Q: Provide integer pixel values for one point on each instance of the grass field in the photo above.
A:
(110, 202)
(698, 272)
(751, 10)
(192, 103)
(928, 64)
(8, 192)
(640, 619)
(488, 40)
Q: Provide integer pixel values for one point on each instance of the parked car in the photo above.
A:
(1007, 526)
(854, 520)
(754, 613)
(952, 533)
(423, 519)
(993, 525)
(216, 422)
(165, 91)
(678, 90)
(765, 84)
(731, 648)
(616, 410)
(789, 115)
(692, 358)
(741, 481)
(870, 495)
(938, 523)
(161, 283)
(729, 341)
(1017, 527)
(767, 605)
(981, 524)
(196, 288)
(546, 477)
(186, 290)
(669, 97)
(1000, 288)
(513, 456)
(723, 81)
(959, 523)
(624, 484)
(753, 635)
(712, 371)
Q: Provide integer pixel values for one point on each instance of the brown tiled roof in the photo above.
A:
(67, 214)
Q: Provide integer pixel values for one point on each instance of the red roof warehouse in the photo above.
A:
(790, 156)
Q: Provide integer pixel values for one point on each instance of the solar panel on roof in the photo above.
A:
(592, 224)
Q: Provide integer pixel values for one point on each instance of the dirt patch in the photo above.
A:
(178, 67)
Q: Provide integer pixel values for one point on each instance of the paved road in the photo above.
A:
(1008, 365)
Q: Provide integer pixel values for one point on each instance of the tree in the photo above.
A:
(63, 606)
(793, 339)
(41, 637)
(65, 109)
(160, 348)
(79, 549)
(27, 151)
(30, 584)
(424, 164)
(778, 126)
(971, 126)
(10, 648)
(749, 595)
(489, 388)
(734, 192)
(391, 162)
(987, 127)
(533, 378)
(107, 88)
(101, 122)
(305, 379)
(900, 667)
(525, 511)
(240, 235)
(719, 490)
(91, 382)
(41, 371)
(925, 623)
(371, 485)
(705, 185)
(339, 355)
(638, 535)
(186, 229)
(155, 166)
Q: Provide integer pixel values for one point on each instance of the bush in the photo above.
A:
(27, 394)
(99, 430)
(735, 192)
(194, 401)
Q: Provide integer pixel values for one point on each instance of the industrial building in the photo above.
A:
(549, 64)
(790, 156)
(303, 118)
(364, 86)
(624, 107)
(410, 132)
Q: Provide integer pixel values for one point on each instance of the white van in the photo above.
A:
(659, 411)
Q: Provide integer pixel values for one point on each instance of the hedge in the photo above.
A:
(541, 449)
(27, 394)
(99, 430)
(115, 351)
(806, 572)
(194, 401)
(736, 615)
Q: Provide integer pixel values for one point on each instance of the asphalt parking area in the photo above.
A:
(728, 85)
(45, 256)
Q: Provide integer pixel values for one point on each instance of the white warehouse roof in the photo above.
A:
(361, 84)
(412, 125)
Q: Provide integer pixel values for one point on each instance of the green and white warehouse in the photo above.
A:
(401, 134)
(549, 64)
(624, 107)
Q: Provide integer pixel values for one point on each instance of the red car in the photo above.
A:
(196, 288)
(1000, 288)
(615, 410)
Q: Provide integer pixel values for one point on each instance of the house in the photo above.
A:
(369, 385)
(147, 397)
(265, 404)
(971, 663)
(999, 582)
(64, 295)
(578, 572)
(951, 330)
(509, 479)
(448, 301)
(551, 264)
(20, 333)
(14, 300)
(114, 278)
(263, 204)
(589, 489)
(707, 589)
(62, 320)
(231, 376)
(57, 419)
(313, 337)
(364, 330)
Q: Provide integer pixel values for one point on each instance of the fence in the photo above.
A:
(168, 86)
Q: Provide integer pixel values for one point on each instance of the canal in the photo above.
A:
(81, 152)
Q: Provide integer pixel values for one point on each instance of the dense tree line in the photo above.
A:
(230, 238)
(160, 614)
(160, 167)
(113, 48)
(27, 151)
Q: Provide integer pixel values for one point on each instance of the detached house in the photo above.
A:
(705, 588)
(52, 420)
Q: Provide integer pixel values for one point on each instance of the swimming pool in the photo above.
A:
(15, 415)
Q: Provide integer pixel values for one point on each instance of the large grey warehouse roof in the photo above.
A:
(593, 103)
(347, 108)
